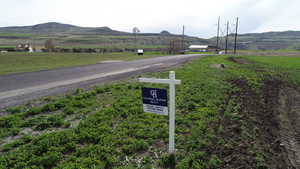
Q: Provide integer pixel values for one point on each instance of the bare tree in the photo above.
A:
(49, 45)
(135, 31)
(175, 46)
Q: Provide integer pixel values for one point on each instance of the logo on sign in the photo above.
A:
(154, 95)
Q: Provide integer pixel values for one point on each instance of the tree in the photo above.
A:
(49, 45)
(175, 46)
(135, 31)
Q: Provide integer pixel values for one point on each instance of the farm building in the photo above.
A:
(202, 48)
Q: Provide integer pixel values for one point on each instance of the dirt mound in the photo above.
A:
(218, 66)
(240, 60)
(272, 112)
(288, 108)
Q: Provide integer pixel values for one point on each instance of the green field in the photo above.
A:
(218, 122)
(28, 62)
(16, 35)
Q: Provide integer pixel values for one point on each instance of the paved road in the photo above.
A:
(21, 87)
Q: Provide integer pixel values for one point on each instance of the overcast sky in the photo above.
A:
(199, 16)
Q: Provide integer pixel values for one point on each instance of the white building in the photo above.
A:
(198, 48)
(30, 49)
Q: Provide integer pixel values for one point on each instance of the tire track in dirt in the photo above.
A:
(289, 115)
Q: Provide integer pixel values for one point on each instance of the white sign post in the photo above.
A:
(172, 82)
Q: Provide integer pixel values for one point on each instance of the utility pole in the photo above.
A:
(182, 41)
(135, 30)
(226, 42)
(236, 34)
(135, 42)
(218, 34)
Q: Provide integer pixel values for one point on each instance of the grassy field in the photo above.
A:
(216, 123)
(28, 62)
(288, 64)
(7, 47)
(16, 35)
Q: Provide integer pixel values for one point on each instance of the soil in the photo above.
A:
(218, 66)
(272, 113)
(288, 108)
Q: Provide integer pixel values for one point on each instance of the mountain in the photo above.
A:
(164, 32)
(66, 35)
(265, 41)
(54, 27)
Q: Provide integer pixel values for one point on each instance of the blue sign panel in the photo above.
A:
(155, 100)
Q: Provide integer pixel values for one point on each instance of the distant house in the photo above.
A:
(198, 48)
(202, 48)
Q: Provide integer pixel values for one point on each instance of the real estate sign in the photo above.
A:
(155, 101)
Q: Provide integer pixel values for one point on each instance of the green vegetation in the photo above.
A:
(7, 47)
(287, 64)
(213, 127)
(16, 35)
(28, 62)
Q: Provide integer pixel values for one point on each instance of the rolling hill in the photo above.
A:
(66, 35)
(54, 27)
(265, 41)
(272, 40)
(70, 36)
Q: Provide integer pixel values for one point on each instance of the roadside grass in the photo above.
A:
(28, 62)
(212, 130)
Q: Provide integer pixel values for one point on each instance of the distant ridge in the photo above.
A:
(266, 40)
(70, 35)
(55, 27)
(67, 35)
(164, 32)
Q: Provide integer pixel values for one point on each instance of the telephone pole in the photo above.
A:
(226, 42)
(236, 34)
(135, 30)
(182, 41)
(218, 34)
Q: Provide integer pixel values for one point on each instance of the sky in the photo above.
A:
(199, 16)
